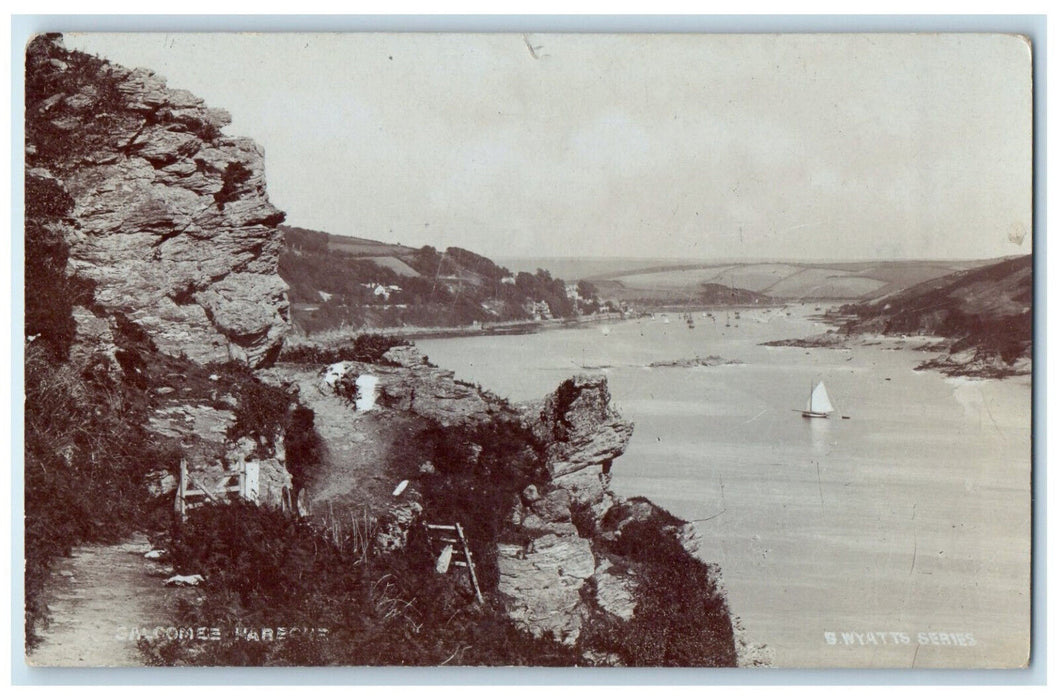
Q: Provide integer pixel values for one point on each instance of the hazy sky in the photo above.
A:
(731, 146)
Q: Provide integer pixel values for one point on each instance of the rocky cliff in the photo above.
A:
(167, 218)
(545, 573)
(557, 551)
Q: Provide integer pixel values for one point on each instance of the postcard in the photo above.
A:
(536, 350)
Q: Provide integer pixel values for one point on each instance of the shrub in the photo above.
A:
(262, 414)
(50, 142)
(681, 618)
(368, 347)
(50, 292)
(235, 175)
(346, 388)
(304, 448)
(479, 472)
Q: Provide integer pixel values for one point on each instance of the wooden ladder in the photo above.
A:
(452, 535)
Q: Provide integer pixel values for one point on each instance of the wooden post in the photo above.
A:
(470, 563)
(206, 492)
(251, 481)
(181, 490)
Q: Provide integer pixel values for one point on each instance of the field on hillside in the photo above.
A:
(364, 247)
(666, 280)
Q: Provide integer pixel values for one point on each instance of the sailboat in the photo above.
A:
(818, 405)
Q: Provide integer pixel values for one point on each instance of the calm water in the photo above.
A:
(911, 517)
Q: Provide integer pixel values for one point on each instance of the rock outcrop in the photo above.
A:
(558, 552)
(543, 579)
(170, 219)
(360, 445)
(584, 434)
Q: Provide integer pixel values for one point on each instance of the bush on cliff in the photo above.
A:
(367, 347)
(263, 412)
(100, 112)
(480, 470)
(681, 617)
(304, 447)
(50, 293)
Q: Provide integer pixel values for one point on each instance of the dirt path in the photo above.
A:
(358, 446)
(96, 596)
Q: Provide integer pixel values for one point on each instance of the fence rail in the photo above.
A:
(191, 492)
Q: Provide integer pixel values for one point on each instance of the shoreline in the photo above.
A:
(513, 327)
(500, 328)
(964, 363)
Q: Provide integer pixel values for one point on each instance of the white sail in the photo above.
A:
(819, 402)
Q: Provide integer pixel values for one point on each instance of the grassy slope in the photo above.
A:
(794, 280)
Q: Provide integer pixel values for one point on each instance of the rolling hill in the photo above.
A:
(638, 279)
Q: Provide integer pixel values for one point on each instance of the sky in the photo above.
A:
(795, 147)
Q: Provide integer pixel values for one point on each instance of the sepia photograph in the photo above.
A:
(528, 349)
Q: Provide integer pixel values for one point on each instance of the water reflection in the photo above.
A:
(820, 430)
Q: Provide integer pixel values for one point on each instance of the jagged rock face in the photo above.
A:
(170, 218)
(615, 592)
(580, 426)
(584, 435)
(543, 580)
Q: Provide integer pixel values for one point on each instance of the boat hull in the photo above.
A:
(813, 414)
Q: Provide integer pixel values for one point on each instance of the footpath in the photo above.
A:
(95, 597)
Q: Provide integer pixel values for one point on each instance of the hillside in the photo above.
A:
(667, 280)
(985, 313)
(338, 281)
(704, 294)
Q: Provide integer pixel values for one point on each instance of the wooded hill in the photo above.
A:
(340, 281)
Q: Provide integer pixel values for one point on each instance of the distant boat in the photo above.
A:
(818, 405)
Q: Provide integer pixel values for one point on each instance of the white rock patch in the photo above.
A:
(366, 392)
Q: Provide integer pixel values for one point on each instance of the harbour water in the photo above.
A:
(896, 537)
